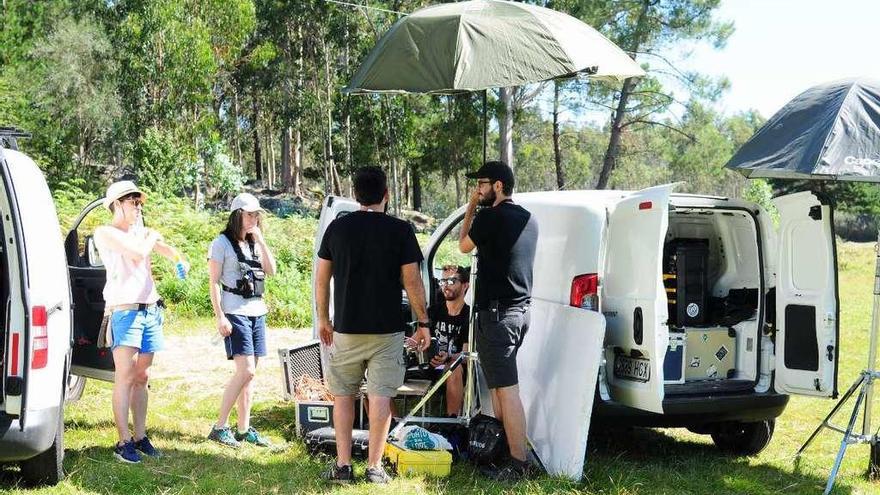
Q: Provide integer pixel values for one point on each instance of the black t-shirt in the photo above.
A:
(505, 236)
(368, 250)
(451, 331)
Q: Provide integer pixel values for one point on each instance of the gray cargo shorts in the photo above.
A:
(497, 343)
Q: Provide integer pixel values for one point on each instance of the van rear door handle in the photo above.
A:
(54, 309)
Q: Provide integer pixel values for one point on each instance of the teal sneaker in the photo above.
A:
(252, 436)
(223, 436)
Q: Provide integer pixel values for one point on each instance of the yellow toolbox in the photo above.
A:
(429, 462)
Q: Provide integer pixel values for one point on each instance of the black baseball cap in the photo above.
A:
(494, 170)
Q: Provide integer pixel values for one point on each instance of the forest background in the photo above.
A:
(196, 98)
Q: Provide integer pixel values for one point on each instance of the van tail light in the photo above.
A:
(39, 325)
(585, 292)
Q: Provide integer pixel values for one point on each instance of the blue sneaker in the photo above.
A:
(252, 436)
(146, 448)
(127, 453)
(223, 436)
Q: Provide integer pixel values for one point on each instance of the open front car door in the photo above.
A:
(332, 208)
(807, 303)
(633, 299)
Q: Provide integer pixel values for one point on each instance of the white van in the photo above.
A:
(40, 324)
(729, 374)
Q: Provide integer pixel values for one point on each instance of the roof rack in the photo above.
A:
(9, 137)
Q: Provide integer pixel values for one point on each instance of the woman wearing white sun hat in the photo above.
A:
(133, 311)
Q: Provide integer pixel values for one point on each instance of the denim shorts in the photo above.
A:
(141, 329)
(248, 337)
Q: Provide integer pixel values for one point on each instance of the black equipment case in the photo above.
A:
(323, 440)
(685, 276)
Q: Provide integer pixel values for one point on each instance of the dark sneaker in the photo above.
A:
(511, 471)
(223, 436)
(377, 475)
(252, 436)
(339, 474)
(127, 453)
(146, 448)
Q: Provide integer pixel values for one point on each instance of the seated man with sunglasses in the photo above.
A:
(450, 321)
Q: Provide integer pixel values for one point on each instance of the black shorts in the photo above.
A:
(497, 343)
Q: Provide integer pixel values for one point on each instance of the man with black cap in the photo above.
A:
(505, 235)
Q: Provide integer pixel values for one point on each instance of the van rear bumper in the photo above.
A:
(37, 437)
(695, 410)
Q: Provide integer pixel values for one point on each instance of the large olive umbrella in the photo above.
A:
(482, 44)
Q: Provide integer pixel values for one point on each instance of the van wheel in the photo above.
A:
(75, 386)
(743, 439)
(47, 468)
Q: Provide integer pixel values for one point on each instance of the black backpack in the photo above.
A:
(487, 442)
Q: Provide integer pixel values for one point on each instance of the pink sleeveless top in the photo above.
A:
(128, 282)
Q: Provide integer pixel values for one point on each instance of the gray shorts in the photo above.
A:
(381, 355)
(497, 343)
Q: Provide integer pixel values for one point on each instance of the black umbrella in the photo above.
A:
(828, 132)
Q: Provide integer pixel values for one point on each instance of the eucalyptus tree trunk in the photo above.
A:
(557, 152)
(505, 127)
(255, 135)
(611, 154)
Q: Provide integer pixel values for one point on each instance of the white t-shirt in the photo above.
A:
(128, 282)
(221, 251)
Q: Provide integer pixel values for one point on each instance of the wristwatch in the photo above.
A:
(423, 324)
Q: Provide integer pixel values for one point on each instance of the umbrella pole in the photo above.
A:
(485, 124)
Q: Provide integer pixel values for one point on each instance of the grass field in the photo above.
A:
(188, 380)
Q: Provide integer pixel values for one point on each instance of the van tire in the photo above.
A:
(47, 468)
(75, 386)
(743, 439)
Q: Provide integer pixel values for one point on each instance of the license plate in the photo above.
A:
(628, 368)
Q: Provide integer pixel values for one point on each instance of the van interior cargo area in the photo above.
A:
(712, 277)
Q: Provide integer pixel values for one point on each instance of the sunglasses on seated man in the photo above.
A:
(447, 281)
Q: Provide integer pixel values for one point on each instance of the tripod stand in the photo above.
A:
(865, 387)
(471, 356)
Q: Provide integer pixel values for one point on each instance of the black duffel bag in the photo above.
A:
(487, 442)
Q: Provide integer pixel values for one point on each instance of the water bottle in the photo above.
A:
(179, 268)
(217, 339)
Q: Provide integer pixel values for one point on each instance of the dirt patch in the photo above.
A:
(196, 364)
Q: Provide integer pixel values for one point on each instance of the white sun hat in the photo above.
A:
(120, 189)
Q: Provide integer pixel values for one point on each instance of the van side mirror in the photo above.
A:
(92, 254)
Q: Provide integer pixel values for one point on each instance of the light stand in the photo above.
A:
(865, 386)
(471, 356)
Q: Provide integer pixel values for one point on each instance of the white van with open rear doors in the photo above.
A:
(52, 306)
(715, 313)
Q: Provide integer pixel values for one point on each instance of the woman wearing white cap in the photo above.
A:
(238, 262)
(133, 311)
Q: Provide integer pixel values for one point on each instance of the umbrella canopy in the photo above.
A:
(482, 44)
(828, 132)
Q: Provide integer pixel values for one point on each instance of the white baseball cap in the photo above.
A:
(246, 202)
(120, 189)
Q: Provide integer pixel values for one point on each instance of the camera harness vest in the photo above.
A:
(252, 281)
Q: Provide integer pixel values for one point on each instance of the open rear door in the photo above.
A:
(806, 298)
(633, 299)
(332, 208)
